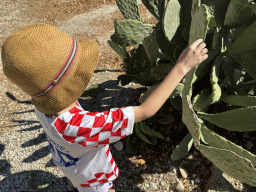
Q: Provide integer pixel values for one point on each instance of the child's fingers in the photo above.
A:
(196, 43)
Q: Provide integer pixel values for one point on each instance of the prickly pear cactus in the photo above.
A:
(129, 9)
(130, 32)
(228, 28)
(171, 19)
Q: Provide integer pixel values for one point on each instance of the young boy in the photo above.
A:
(54, 69)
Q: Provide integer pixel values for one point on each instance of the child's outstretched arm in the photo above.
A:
(189, 58)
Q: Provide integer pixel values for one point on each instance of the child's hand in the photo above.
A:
(193, 55)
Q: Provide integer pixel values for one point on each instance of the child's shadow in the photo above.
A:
(35, 180)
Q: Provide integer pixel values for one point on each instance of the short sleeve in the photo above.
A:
(95, 128)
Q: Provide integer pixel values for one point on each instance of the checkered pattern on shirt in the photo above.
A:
(91, 129)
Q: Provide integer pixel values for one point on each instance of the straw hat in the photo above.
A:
(49, 65)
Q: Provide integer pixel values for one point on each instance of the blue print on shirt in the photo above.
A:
(62, 161)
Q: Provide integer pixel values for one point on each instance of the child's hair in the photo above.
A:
(49, 65)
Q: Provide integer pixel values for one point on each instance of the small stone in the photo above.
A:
(197, 180)
(249, 145)
(162, 183)
(192, 182)
(173, 169)
(118, 146)
(180, 186)
(194, 175)
(153, 186)
(183, 173)
(190, 157)
(149, 178)
(146, 185)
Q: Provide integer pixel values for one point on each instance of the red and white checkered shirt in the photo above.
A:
(79, 142)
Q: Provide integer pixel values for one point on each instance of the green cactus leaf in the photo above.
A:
(228, 157)
(166, 46)
(237, 14)
(209, 95)
(123, 80)
(238, 31)
(190, 119)
(167, 119)
(176, 102)
(229, 68)
(239, 100)
(155, 7)
(221, 7)
(121, 52)
(132, 145)
(171, 19)
(150, 140)
(130, 32)
(185, 17)
(151, 47)
(182, 148)
(177, 91)
(240, 119)
(151, 133)
(129, 9)
(199, 24)
(222, 39)
(243, 49)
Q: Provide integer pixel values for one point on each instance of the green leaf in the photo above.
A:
(171, 19)
(117, 49)
(132, 145)
(151, 47)
(182, 148)
(155, 7)
(237, 14)
(199, 24)
(129, 9)
(239, 100)
(243, 49)
(228, 157)
(241, 119)
(130, 32)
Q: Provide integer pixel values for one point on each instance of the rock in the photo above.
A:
(249, 145)
(183, 173)
(153, 186)
(173, 169)
(197, 180)
(180, 186)
(217, 182)
(118, 146)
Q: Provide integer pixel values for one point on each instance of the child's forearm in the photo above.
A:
(158, 97)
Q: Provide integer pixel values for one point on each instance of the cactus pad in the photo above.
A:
(237, 14)
(243, 50)
(182, 148)
(230, 158)
(240, 100)
(129, 9)
(199, 24)
(120, 51)
(130, 32)
(240, 119)
(171, 19)
(155, 7)
(151, 47)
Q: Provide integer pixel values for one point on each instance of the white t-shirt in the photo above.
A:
(79, 142)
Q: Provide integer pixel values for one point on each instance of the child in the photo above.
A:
(54, 69)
